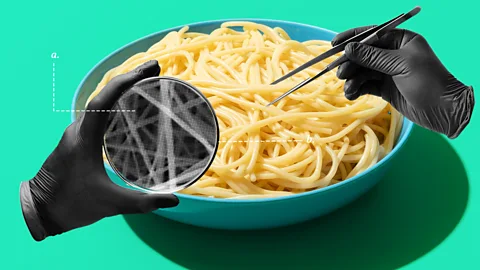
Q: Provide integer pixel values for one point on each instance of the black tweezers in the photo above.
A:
(369, 36)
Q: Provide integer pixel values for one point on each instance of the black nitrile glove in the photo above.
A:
(403, 70)
(72, 188)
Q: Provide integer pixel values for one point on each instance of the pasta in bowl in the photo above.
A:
(314, 147)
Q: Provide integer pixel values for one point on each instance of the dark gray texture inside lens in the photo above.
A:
(162, 135)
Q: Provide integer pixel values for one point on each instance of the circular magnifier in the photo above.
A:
(162, 135)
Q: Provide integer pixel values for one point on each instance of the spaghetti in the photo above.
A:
(311, 139)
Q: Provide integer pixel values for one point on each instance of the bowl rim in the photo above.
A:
(407, 125)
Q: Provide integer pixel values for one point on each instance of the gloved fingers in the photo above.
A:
(96, 122)
(134, 202)
(341, 37)
(369, 87)
(119, 84)
(364, 83)
(395, 39)
(388, 62)
(348, 70)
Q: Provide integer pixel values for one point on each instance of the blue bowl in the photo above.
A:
(258, 213)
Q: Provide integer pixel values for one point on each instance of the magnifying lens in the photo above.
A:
(162, 136)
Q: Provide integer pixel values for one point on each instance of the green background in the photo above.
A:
(425, 214)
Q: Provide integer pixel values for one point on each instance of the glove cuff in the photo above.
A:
(463, 110)
(30, 213)
(42, 196)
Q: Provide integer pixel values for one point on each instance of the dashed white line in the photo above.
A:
(94, 110)
(53, 87)
(56, 110)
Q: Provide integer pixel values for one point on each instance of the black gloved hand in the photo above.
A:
(72, 188)
(403, 70)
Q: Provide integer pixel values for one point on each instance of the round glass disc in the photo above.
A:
(162, 135)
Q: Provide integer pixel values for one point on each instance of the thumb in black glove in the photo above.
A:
(403, 70)
(72, 188)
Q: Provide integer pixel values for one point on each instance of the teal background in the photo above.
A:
(425, 214)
